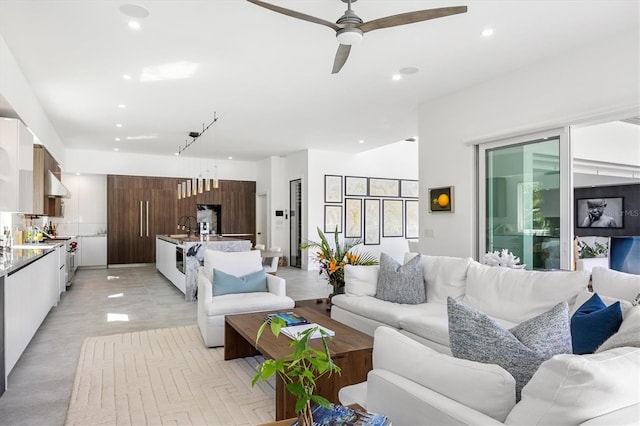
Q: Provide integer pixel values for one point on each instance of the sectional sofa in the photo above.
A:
(416, 381)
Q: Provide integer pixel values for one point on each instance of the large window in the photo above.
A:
(523, 204)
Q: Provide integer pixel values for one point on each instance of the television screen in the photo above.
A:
(624, 254)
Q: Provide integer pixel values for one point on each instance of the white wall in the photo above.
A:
(15, 88)
(398, 160)
(590, 82)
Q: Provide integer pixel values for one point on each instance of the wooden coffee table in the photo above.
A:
(350, 350)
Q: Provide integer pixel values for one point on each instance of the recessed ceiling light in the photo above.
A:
(360, 141)
(117, 139)
(396, 77)
(116, 149)
(118, 125)
(134, 11)
(123, 106)
(409, 70)
(134, 25)
(126, 76)
(230, 158)
(176, 153)
(77, 173)
(488, 32)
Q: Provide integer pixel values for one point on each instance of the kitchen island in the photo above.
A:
(179, 256)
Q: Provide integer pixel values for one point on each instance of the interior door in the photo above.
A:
(524, 203)
(295, 222)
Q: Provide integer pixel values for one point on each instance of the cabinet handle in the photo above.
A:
(147, 218)
(140, 218)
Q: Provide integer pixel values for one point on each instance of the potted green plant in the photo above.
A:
(299, 370)
(333, 258)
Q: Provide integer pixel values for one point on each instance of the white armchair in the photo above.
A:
(212, 309)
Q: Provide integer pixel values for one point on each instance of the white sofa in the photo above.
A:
(509, 296)
(211, 309)
(416, 384)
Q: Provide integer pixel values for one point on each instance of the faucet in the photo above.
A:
(186, 224)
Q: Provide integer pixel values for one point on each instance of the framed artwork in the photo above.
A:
(352, 218)
(356, 186)
(392, 218)
(441, 199)
(332, 218)
(379, 187)
(600, 212)
(332, 189)
(371, 221)
(409, 189)
(411, 216)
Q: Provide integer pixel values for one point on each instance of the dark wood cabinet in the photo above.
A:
(43, 163)
(138, 208)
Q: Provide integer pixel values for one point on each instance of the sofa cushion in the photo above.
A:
(517, 295)
(236, 263)
(360, 280)
(400, 283)
(484, 387)
(628, 334)
(444, 276)
(593, 323)
(241, 303)
(224, 283)
(476, 337)
(620, 285)
(379, 310)
(570, 389)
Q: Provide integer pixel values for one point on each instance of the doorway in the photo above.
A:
(295, 234)
(261, 219)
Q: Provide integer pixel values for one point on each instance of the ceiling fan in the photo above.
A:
(350, 28)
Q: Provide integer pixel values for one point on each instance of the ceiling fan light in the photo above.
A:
(349, 36)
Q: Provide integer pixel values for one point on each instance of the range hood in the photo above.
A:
(55, 188)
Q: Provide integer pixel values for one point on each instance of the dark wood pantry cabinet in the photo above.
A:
(138, 208)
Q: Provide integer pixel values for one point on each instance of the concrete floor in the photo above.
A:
(96, 304)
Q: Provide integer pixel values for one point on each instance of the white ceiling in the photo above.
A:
(268, 76)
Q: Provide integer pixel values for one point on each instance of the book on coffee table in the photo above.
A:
(339, 415)
(293, 331)
(289, 318)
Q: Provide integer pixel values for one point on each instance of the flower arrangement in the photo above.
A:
(333, 258)
(503, 258)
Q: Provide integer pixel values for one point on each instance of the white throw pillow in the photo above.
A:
(628, 334)
(570, 389)
(444, 276)
(360, 280)
(607, 282)
(517, 295)
(487, 388)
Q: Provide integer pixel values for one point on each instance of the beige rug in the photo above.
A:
(165, 376)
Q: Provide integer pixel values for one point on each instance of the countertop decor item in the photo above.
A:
(503, 258)
(300, 370)
(332, 258)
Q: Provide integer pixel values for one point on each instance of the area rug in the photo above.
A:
(165, 376)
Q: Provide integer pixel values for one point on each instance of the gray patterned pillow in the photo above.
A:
(476, 337)
(401, 283)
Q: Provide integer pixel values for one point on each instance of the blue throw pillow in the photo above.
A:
(593, 323)
(224, 283)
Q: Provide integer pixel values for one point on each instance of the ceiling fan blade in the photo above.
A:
(341, 57)
(295, 14)
(411, 17)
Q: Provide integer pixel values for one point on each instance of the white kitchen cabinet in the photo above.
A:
(16, 166)
(93, 250)
(166, 263)
(29, 294)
